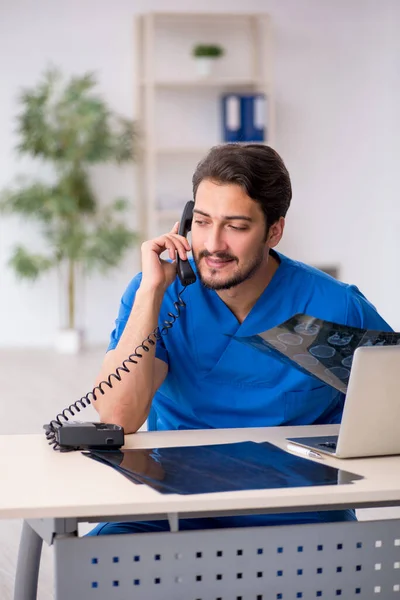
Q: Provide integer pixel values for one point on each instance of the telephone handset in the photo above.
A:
(184, 270)
(66, 435)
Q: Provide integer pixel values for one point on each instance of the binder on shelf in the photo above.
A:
(231, 118)
(243, 117)
(253, 117)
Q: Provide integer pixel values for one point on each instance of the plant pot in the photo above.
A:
(204, 65)
(68, 341)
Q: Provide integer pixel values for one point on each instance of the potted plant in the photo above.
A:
(205, 56)
(68, 126)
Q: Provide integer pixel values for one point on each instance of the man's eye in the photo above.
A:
(238, 228)
(200, 222)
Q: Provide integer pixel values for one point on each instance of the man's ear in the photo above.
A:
(275, 232)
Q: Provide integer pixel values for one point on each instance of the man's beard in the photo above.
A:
(241, 274)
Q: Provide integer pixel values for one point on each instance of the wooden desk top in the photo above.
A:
(37, 482)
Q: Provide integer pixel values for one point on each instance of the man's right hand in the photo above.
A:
(158, 273)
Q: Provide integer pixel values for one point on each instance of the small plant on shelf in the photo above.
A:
(209, 51)
(205, 55)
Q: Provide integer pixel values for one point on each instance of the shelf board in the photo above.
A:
(170, 150)
(183, 149)
(239, 16)
(205, 83)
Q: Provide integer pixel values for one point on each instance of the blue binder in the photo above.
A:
(253, 117)
(232, 118)
(243, 117)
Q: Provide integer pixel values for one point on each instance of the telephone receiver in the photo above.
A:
(184, 270)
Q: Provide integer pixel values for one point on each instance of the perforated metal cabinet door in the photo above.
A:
(347, 560)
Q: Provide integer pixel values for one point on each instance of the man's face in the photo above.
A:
(228, 235)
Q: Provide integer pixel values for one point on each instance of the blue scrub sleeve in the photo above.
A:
(361, 313)
(125, 308)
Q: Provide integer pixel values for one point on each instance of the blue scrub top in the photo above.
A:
(215, 381)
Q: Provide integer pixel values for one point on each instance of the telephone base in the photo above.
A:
(76, 435)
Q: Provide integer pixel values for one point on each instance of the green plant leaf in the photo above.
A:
(208, 50)
(107, 245)
(29, 266)
(33, 201)
(120, 205)
(124, 141)
(67, 122)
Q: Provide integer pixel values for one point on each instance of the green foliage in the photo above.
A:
(67, 125)
(27, 265)
(209, 50)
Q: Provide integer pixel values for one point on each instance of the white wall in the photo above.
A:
(337, 92)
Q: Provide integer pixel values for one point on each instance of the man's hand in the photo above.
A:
(156, 272)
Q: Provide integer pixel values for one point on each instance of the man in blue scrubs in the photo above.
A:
(198, 377)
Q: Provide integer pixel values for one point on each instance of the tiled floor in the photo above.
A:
(34, 386)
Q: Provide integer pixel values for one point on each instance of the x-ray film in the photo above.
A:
(220, 468)
(319, 348)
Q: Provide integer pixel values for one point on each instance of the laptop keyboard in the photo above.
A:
(327, 443)
(330, 445)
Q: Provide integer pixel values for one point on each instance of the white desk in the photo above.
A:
(54, 491)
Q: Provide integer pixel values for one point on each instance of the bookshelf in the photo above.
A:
(179, 113)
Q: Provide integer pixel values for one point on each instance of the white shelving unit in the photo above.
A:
(179, 113)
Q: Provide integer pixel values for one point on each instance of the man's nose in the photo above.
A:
(215, 241)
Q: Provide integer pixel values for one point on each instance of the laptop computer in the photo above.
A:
(371, 417)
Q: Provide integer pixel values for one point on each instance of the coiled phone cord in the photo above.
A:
(145, 346)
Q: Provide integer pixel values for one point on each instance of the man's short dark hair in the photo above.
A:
(257, 168)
